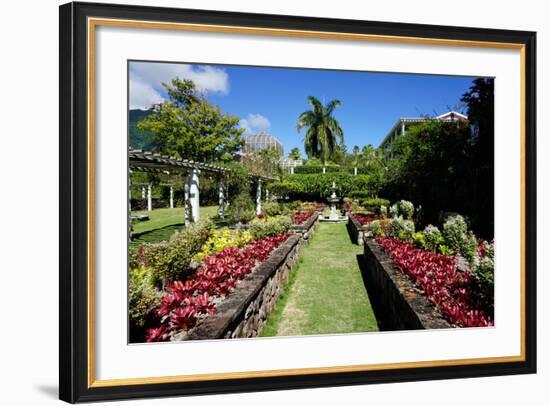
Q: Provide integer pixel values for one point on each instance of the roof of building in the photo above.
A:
(255, 142)
(449, 116)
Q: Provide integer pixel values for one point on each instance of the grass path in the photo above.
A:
(325, 293)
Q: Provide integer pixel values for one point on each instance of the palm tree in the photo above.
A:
(323, 131)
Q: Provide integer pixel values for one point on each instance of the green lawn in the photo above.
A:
(163, 223)
(325, 293)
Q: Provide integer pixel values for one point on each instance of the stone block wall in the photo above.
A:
(306, 229)
(244, 312)
(397, 302)
(356, 231)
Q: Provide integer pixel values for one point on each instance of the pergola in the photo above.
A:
(147, 161)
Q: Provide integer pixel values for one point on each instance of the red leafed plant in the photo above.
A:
(186, 301)
(301, 217)
(364, 218)
(451, 290)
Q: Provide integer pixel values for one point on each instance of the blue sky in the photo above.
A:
(271, 99)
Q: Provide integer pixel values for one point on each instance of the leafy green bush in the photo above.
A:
(394, 210)
(262, 228)
(375, 228)
(406, 208)
(375, 203)
(220, 239)
(433, 237)
(143, 295)
(272, 208)
(484, 271)
(419, 240)
(171, 259)
(241, 208)
(401, 228)
(360, 194)
(284, 188)
(384, 211)
(458, 239)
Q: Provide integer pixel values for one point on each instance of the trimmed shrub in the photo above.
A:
(374, 203)
(220, 239)
(433, 237)
(360, 194)
(143, 296)
(394, 210)
(401, 228)
(406, 208)
(484, 271)
(272, 208)
(262, 228)
(171, 259)
(458, 239)
(241, 208)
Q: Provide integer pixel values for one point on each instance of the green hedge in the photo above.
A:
(319, 186)
(318, 169)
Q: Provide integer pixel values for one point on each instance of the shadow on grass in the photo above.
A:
(373, 296)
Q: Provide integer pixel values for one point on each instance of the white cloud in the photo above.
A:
(146, 78)
(254, 123)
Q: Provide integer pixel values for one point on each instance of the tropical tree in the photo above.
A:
(295, 154)
(323, 133)
(356, 152)
(188, 126)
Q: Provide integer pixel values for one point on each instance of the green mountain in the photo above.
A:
(139, 139)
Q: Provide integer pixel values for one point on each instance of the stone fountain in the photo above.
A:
(334, 200)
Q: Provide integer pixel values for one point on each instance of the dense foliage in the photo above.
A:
(187, 301)
(220, 239)
(449, 166)
(451, 290)
(269, 227)
(188, 126)
(170, 260)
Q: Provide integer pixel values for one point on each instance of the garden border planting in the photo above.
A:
(243, 313)
(399, 304)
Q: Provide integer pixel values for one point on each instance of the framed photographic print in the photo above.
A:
(256, 202)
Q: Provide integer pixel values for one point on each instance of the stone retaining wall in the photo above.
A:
(305, 230)
(397, 302)
(244, 312)
(356, 231)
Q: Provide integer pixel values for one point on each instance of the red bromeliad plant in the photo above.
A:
(301, 217)
(453, 291)
(187, 301)
(364, 218)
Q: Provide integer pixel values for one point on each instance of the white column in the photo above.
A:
(403, 128)
(266, 194)
(171, 196)
(259, 197)
(143, 192)
(186, 204)
(324, 169)
(194, 194)
(292, 170)
(149, 197)
(355, 171)
(221, 199)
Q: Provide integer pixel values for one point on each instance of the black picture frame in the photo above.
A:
(74, 385)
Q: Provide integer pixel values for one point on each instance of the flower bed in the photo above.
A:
(300, 217)
(357, 226)
(188, 301)
(452, 291)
